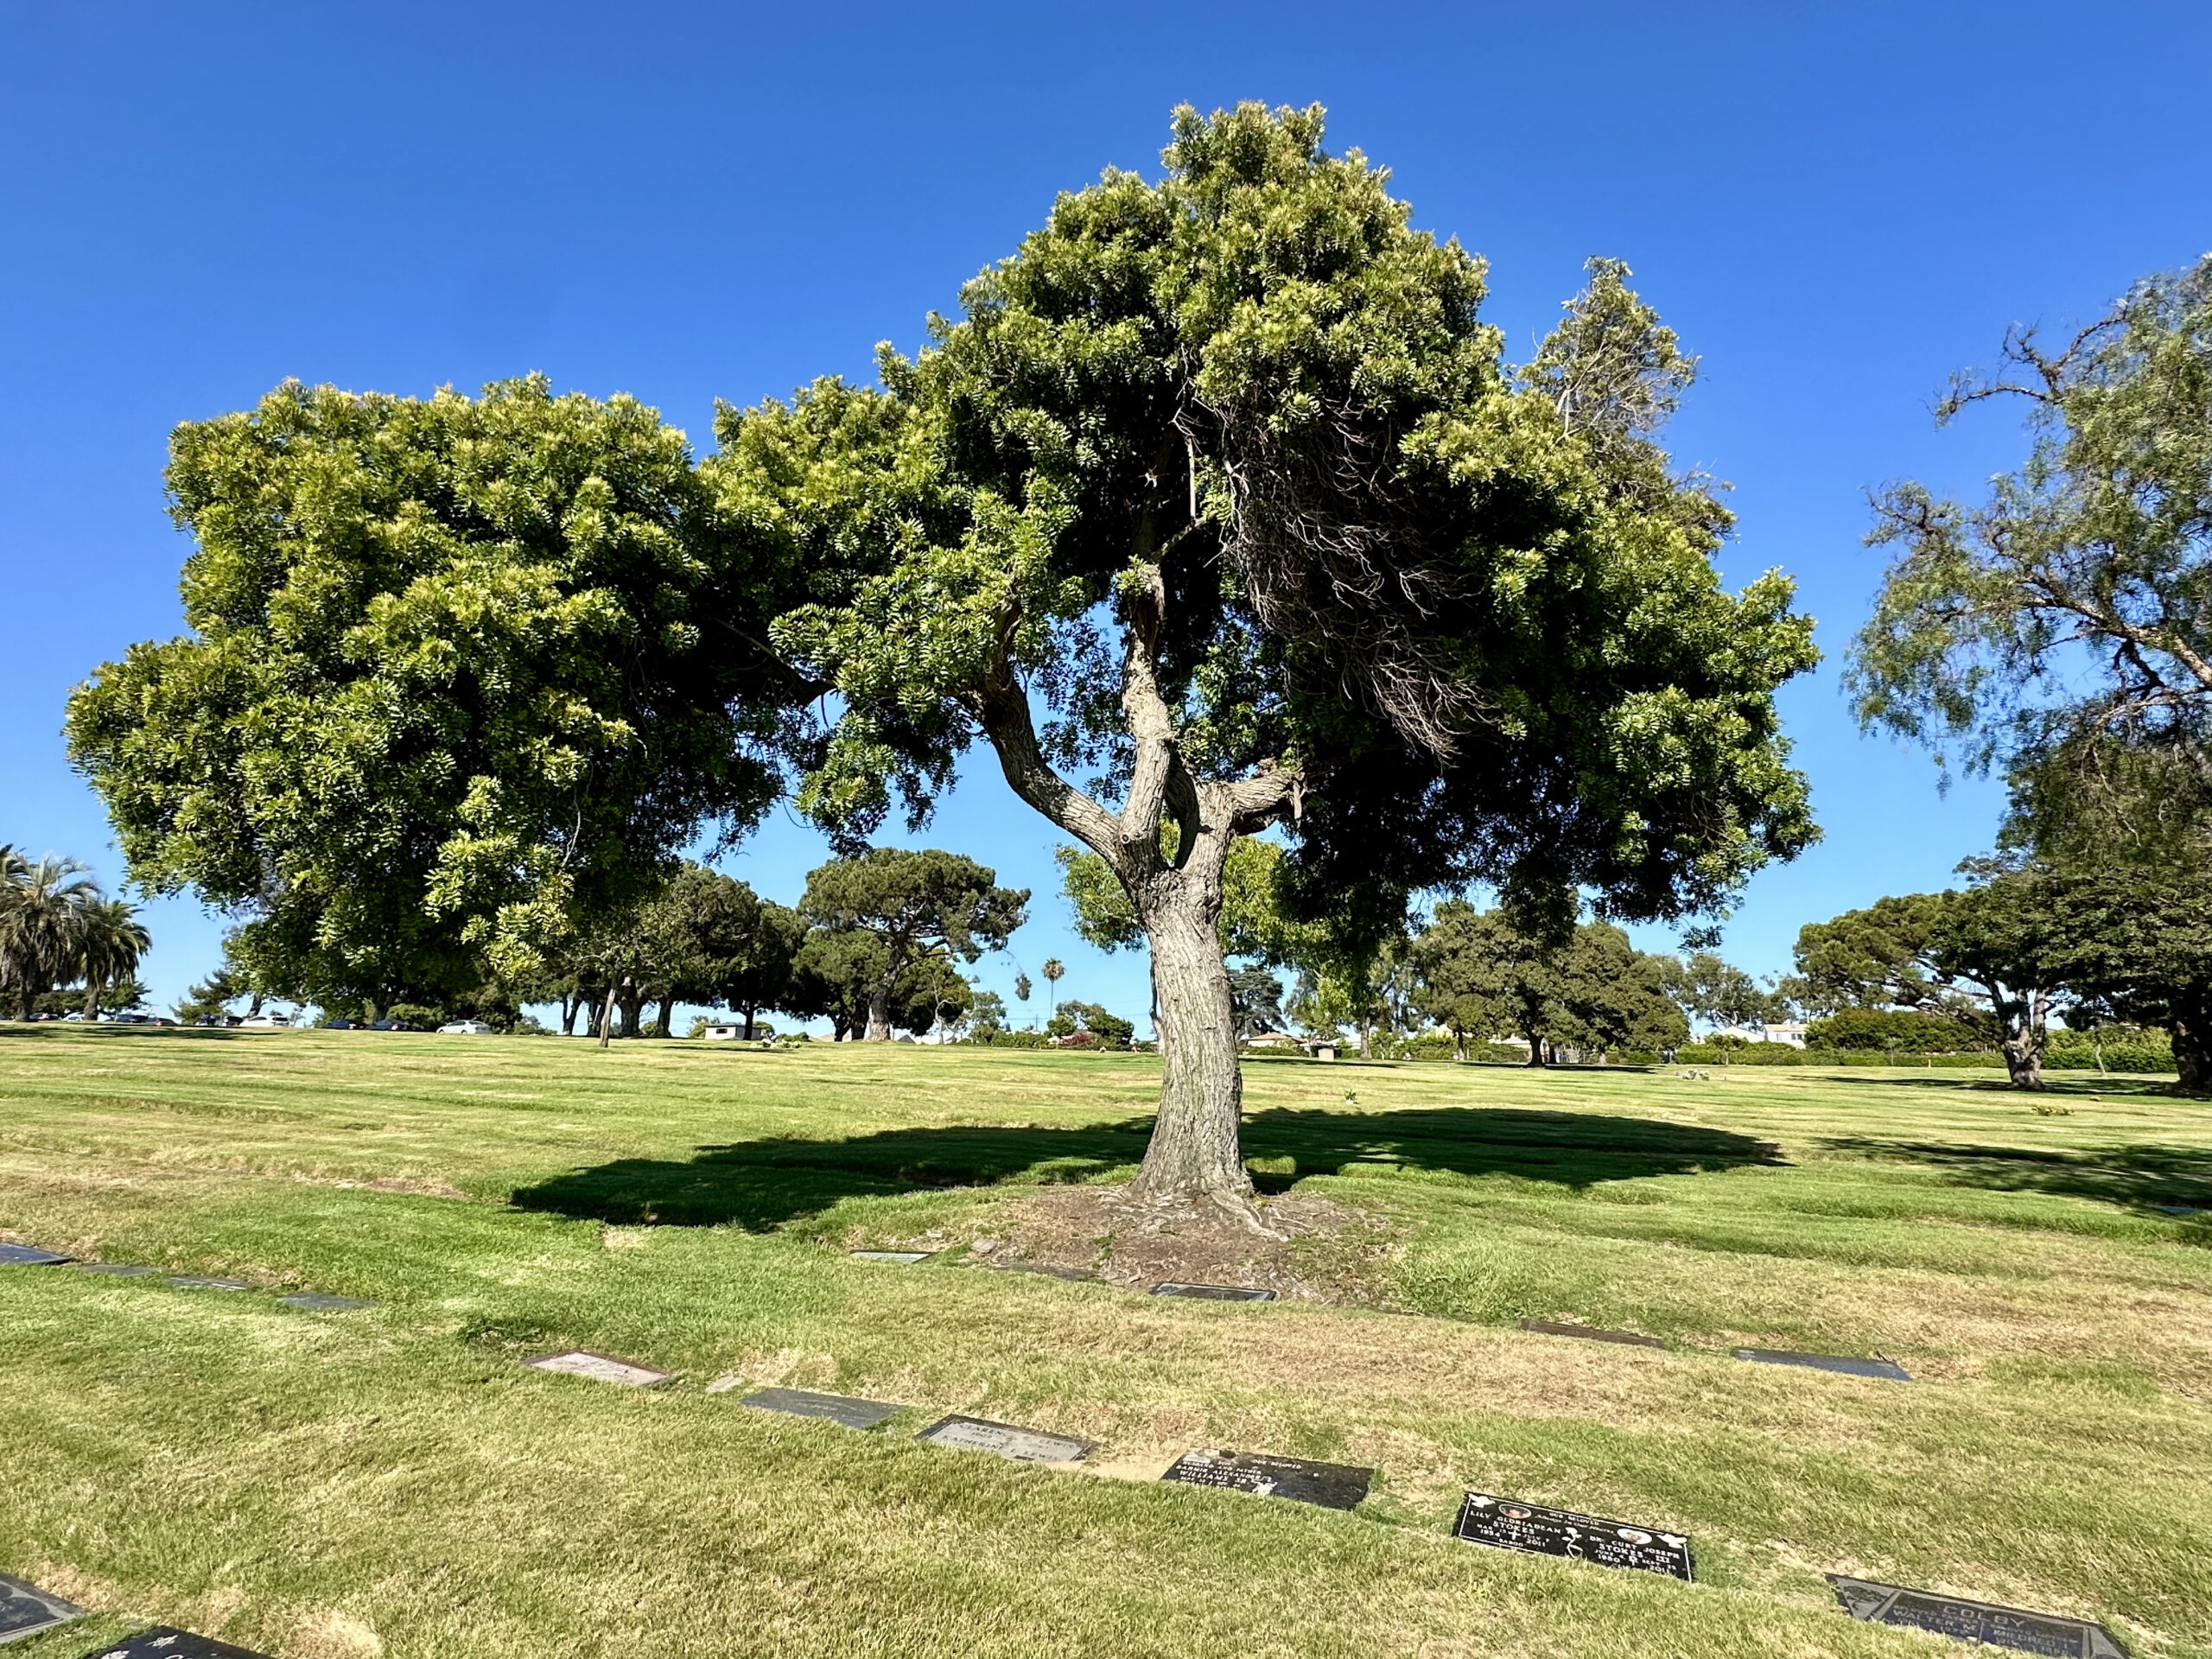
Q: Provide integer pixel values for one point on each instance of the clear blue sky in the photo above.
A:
(1836, 206)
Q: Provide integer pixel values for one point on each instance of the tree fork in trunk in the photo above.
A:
(1194, 1161)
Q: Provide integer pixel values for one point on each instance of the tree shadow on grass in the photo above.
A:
(759, 1184)
(2140, 1177)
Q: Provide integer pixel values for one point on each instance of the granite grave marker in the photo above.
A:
(205, 1282)
(1974, 1621)
(1333, 1485)
(163, 1642)
(25, 1609)
(1848, 1364)
(902, 1258)
(1590, 1333)
(1003, 1439)
(577, 1361)
(323, 1302)
(28, 1256)
(1214, 1292)
(1533, 1530)
(836, 1407)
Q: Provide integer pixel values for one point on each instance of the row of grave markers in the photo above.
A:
(1482, 1518)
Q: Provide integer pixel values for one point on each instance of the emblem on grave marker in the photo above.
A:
(1534, 1529)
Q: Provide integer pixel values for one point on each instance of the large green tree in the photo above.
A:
(1481, 973)
(459, 672)
(920, 906)
(1223, 475)
(1984, 957)
(2061, 632)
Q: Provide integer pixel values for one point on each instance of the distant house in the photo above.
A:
(1790, 1033)
(1272, 1039)
(725, 1034)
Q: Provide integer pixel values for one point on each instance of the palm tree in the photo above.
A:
(41, 924)
(1053, 970)
(111, 940)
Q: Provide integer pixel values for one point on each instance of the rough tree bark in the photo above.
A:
(879, 1013)
(2022, 1025)
(1195, 1159)
(2192, 1054)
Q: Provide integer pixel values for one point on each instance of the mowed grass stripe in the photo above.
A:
(171, 1447)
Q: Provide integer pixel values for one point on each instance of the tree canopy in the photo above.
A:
(2061, 632)
(460, 672)
(1483, 973)
(918, 906)
(1225, 475)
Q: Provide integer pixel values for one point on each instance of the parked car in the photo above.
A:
(465, 1028)
(264, 1021)
(342, 1024)
(225, 1019)
(385, 1025)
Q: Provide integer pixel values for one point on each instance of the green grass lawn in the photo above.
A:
(392, 1481)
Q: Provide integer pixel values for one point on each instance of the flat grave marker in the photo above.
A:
(117, 1270)
(578, 1362)
(28, 1256)
(1331, 1485)
(902, 1258)
(1849, 1365)
(1005, 1440)
(2180, 1209)
(25, 1609)
(832, 1407)
(323, 1302)
(162, 1642)
(1974, 1621)
(1590, 1333)
(1213, 1292)
(1534, 1529)
(206, 1281)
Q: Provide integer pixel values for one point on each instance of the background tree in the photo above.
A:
(920, 906)
(839, 973)
(111, 940)
(1090, 1021)
(1977, 957)
(986, 1015)
(756, 971)
(43, 904)
(2060, 633)
(1255, 1000)
(460, 672)
(1487, 971)
(1224, 474)
(1705, 987)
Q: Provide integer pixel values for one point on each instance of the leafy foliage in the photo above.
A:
(460, 673)
(1486, 972)
(2062, 631)
(920, 906)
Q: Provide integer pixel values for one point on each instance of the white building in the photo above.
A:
(1790, 1032)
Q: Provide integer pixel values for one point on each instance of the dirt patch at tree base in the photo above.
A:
(1314, 1250)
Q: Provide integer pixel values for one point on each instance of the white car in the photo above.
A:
(465, 1028)
(264, 1021)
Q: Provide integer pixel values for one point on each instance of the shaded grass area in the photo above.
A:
(391, 1481)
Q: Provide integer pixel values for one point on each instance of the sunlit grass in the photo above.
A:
(392, 1481)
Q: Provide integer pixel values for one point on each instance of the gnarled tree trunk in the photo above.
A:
(2192, 1052)
(1194, 1161)
(2023, 1025)
(879, 1013)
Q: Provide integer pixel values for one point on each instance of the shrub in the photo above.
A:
(1891, 1032)
(413, 1016)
